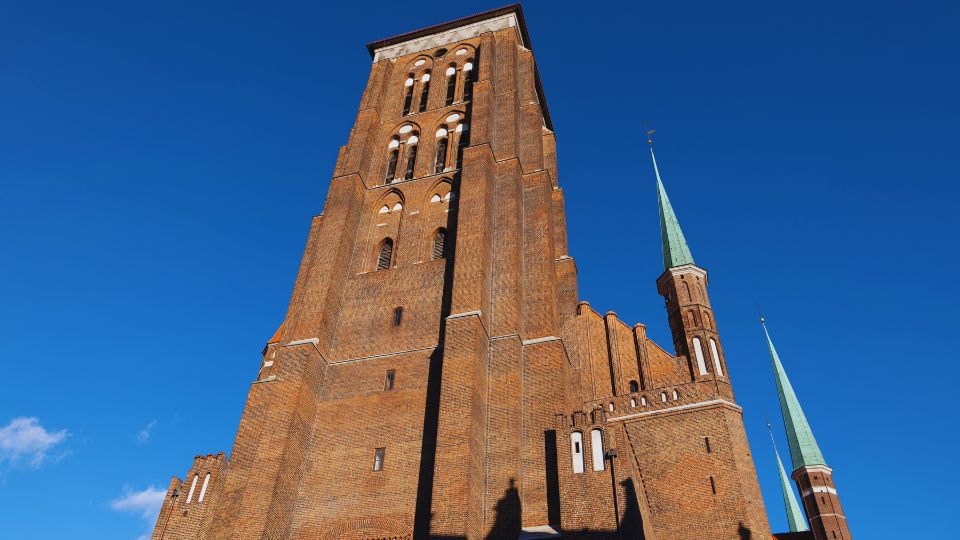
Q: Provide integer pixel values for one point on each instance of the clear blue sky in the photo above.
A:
(159, 166)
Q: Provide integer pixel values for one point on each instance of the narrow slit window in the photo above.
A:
(424, 92)
(698, 351)
(193, 486)
(716, 357)
(397, 316)
(408, 96)
(378, 456)
(451, 85)
(467, 81)
(388, 382)
(713, 485)
(441, 155)
(439, 244)
(576, 451)
(385, 257)
(391, 173)
(203, 489)
(411, 161)
(596, 447)
(706, 442)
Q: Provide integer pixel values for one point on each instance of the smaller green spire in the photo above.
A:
(675, 250)
(795, 518)
(804, 450)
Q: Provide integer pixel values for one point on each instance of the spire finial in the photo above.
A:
(675, 249)
(804, 449)
(795, 518)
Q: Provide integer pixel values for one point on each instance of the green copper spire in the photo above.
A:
(803, 447)
(795, 517)
(675, 250)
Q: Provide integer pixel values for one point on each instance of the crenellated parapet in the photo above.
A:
(189, 503)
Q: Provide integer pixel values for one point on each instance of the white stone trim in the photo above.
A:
(678, 408)
(453, 35)
(315, 341)
(464, 314)
(818, 489)
(543, 339)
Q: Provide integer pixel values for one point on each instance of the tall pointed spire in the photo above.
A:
(675, 250)
(804, 450)
(795, 518)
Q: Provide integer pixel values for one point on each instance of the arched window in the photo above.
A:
(596, 447)
(391, 173)
(451, 85)
(385, 257)
(411, 159)
(442, 140)
(439, 244)
(716, 358)
(203, 489)
(634, 387)
(193, 486)
(424, 91)
(468, 81)
(408, 95)
(576, 451)
(663, 397)
(698, 352)
(643, 401)
(676, 395)
(633, 402)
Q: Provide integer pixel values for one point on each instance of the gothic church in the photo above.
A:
(437, 375)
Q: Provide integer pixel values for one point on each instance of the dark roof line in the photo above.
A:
(442, 27)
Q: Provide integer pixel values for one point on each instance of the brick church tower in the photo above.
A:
(437, 376)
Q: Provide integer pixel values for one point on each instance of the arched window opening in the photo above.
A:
(716, 358)
(442, 140)
(391, 377)
(676, 395)
(610, 406)
(408, 95)
(439, 244)
(663, 397)
(576, 451)
(385, 257)
(634, 387)
(203, 489)
(633, 402)
(424, 91)
(391, 173)
(698, 352)
(643, 401)
(411, 160)
(451, 85)
(596, 447)
(468, 81)
(193, 486)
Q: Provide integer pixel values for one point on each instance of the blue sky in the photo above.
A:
(159, 165)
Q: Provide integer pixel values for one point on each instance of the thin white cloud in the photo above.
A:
(146, 502)
(144, 434)
(24, 437)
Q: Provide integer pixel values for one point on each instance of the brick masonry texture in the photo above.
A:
(496, 362)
